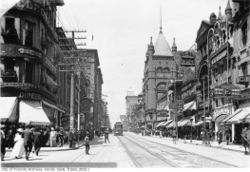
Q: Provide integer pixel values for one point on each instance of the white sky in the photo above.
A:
(122, 30)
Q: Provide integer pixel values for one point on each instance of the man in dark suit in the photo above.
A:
(28, 141)
(37, 140)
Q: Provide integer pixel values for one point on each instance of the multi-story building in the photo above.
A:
(28, 62)
(223, 71)
(158, 67)
(203, 90)
(239, 69)
(131, 102)
(94, 95)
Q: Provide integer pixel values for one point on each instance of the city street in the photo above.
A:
(132, 150)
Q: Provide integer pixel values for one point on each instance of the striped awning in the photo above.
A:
(190, 106)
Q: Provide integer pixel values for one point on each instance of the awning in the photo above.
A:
(171, 124)
(31, 112)
(160, 124)
(220, 118)
(8, 109)
(190, 106)
(240, 115)
(198, 123)
(167, 123)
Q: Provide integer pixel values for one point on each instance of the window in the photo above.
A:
(43, 42)
(244, 69)
(28, 72)
(9, 71)
(28, 34)
(216, 103)
(166, 70)
(10, 33)
(244, 33)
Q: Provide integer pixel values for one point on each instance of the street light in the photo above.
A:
(191, 138)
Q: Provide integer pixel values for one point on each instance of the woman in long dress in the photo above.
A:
(18, 149)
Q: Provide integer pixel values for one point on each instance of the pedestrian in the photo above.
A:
(9, 142)
(52, 137)
(74, 139)
(227, 136)
(209, 134)
(245, 134)
(3, 139)
(61, 137)
(70, 138)
(37, 141)
(28, 141)
(87, 146)
(219, 134)
(106, 136)
(18, 149)
(174, 135)
(203, 135)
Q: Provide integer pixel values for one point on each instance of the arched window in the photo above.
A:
(161, 86)
(166, 70)
(159, 72)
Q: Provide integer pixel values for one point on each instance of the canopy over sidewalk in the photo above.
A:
(8, 109)
(239, 116)
(31, 112)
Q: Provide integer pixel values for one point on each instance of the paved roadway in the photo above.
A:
(133, 150)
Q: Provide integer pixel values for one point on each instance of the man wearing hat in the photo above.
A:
(2, 142)
(28, 141)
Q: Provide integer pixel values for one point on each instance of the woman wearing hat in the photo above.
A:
(18, 149)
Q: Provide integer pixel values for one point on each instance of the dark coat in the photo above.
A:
(37, 138)
(27, 137)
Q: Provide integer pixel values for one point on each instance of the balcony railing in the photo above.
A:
(14, 50)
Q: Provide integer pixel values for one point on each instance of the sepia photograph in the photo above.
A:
(124, 84)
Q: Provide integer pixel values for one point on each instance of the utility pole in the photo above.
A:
(75, 67)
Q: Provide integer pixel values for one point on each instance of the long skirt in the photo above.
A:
(18, 150)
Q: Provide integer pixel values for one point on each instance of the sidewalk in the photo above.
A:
(65, 147)
(214, 144)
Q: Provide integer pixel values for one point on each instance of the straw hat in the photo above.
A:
(20, 130)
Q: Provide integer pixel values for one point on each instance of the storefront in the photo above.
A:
(237, 121)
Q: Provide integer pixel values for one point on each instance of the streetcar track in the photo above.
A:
(157, 155)
(130, 154)
(185, 153)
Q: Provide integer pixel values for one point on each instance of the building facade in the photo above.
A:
(29, 56)
(158, 68)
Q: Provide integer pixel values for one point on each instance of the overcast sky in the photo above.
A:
(122, 30)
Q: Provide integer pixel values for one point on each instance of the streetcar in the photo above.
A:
(118, 129)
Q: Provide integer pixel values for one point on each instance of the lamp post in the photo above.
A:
(204, 101)
(191, 137)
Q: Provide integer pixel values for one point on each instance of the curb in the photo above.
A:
(211, 146)
(53, 149)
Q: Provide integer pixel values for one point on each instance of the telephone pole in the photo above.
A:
(72, 62)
